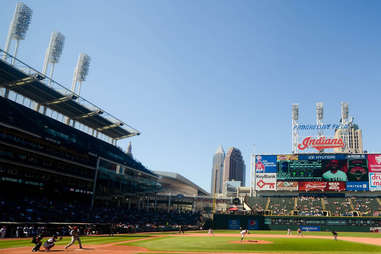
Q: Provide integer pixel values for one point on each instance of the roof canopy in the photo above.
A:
(53, 95)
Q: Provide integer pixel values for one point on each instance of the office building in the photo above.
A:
(217, 171)
(234, 166)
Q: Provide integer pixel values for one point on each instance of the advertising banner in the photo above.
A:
(286, 186)
(374, 181)
(356, 156)
(357, 170)
(310, 228)
(287, 157)
(374, 162)
(320, 143)
(312, 186)
(252, 224)
(322, 156)
(265, 181)
(234, 224)
(335, 186)
(357, 186)
(265, 164)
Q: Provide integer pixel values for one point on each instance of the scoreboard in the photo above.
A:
(325, 172)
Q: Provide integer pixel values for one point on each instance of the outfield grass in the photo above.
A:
(315, 233)
(279, 245)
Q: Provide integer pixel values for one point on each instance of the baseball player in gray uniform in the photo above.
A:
(74, 232)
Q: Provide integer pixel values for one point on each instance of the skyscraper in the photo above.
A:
(352, 137)
(129, 149)
(217, 170)
(234, 166)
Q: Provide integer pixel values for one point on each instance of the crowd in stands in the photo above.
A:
(31, 210)
(316, 205)
(257, 204)
(309, 206)
(366, 206)
(281, 206)
(339, 206)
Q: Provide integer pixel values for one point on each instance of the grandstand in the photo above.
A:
(60, 163)
(58, 169)
(316, 204)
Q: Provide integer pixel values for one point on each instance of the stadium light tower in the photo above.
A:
(295, 119)
(80, 72)
(18, 27)
(53, 52)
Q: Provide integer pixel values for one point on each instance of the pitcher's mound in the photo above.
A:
(252, 242)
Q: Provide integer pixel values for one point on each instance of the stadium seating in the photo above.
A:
(281, 205)
(309, 206)
(316, 205)
(257, 204)
(28, 209)
(57, 138)
(339, 206)
(366, 206)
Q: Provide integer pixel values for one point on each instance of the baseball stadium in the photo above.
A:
(64, 180)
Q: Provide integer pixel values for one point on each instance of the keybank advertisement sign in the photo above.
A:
(357, 186)
(265, 164)
(374, 181)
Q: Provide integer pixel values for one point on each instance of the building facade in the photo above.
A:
(352, 138)
(234, 166)
(217, 171)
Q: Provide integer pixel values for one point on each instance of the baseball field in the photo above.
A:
(219, 242)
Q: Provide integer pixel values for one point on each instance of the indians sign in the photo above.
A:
(320, 143)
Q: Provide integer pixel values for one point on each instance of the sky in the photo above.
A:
(193, 75)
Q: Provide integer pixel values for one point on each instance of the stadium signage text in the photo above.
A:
(320, 126)
(320, 143)
(374, 181)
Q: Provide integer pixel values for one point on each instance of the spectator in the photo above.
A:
(3, 231)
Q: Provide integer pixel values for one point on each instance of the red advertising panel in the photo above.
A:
(286, 186)
(374, 162)
(312, 186)
(335, 186)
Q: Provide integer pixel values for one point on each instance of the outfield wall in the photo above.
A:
(312, 223)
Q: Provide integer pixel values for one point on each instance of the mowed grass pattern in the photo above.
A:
(284, 232)
(279, 245)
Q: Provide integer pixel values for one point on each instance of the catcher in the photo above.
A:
(51, 242)
(37, 240)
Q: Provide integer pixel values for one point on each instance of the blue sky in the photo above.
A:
(191, 75)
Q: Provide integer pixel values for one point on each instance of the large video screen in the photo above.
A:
(313, 170)
(354, 172)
